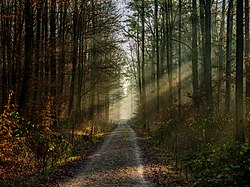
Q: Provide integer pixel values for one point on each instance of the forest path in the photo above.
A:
(118, 162)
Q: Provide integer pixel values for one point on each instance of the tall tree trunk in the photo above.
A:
(221, 54)
(138, 54)
(62, 37)
(9, 61)
(163, 39)
(3, 60)
(53, 47)
(82, 59)
(203, 35)
(74, 60)
(19, 50)
(46, 68)
(169, 50)
(27, 56)
(180, 59)
(239, 72)
(36, 97)
(14, 48)
(143, 65)
(247, 53)
(229, 56)
(4, 76)
(207, 65)
(195, 55)
(157, 58)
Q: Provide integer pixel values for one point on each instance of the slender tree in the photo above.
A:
(207, 58)
(180, 57)
(3, 60)
(247, 63)
(195, 54)
(74, 58)
(229, 56)
(157, 58)
(53, 63)
(221, 54)
(202, 38)
(239, 72)
(143, 62)
(27, 55)
(169, 31)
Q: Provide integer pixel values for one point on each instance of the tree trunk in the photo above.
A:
(169, 50)
(3, 60)
(207, 65)
(82, 59)
(195, 55)
(203, 35)
(138, 53)
(36, 96)
(179, 59)
(157, 58)
(221, 54)
(74, 61)
(229, 56)
(163, 39)
(62, 33)
(27, 56)
(247, 63)
(46, 68)
(143, 65)
(53, 47)
(239, 72)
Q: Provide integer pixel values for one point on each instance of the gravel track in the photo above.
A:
(117, 163)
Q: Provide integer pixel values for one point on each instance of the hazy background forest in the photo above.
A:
(179, 69)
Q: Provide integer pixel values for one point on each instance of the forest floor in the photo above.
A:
(123, 159)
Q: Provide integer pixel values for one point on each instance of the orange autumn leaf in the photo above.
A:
(248, 56)
(247, 60)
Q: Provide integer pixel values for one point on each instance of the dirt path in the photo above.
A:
(117, 163)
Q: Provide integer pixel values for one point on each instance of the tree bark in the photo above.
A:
(180, 59)
(195, 55)
(27, 56)
(203, 36)
(229, 56)
(221, 54)
(157, 58)
(169, 50)
(239, 72)
(247, 63)
(53, 48)
(74, 60)
(207, 60)
(143, 65)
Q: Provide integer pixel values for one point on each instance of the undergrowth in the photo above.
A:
(202, 150)
(221, 165)
(30, 152)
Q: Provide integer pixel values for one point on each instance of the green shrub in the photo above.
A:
(248, 116)
(164, 134)
(47, 147)
(224, 165)
(213, 128)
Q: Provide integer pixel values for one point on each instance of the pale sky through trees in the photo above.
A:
(127, 103)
